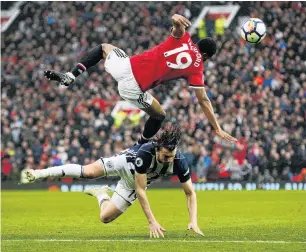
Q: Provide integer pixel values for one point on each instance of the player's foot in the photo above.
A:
(28, 176)
(63, 78)
(95, 191)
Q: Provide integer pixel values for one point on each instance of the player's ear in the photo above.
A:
(155, 145)
(205, 57)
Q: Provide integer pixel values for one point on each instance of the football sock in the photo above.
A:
(152, 126)
(143, 140)
(90, 59)
(102, 198)
(68, 170)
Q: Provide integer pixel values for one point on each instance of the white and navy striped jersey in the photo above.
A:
(144, 159)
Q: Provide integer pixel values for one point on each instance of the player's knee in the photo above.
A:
(161, 116)
(105, 219)
(89, 172)
(89, 175)
(93, 170)
(106, 48)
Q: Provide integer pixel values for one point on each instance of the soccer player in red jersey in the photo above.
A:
(177, 57)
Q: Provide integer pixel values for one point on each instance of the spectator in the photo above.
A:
(259, 92)
(235, 170)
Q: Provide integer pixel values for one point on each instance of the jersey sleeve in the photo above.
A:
(181, 168)
(196, 80)
(143, 160)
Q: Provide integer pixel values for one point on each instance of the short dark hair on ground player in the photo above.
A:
(208, 46)
(169, 137)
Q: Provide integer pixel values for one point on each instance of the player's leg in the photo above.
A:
(91, 58)
(112, 166)
(123, 197)
(112, 208)
(93, 170)
(153, 124)
(129, 90)
(108, 210)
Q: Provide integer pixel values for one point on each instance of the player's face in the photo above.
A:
(165, 156)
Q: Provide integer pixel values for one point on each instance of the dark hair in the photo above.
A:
(208, 46)
(169, 137)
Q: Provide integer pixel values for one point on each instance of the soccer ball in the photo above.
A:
(253, 30)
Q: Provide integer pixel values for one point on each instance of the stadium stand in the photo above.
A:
(258, 92)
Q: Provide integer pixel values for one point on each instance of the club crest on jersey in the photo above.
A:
(138, 162)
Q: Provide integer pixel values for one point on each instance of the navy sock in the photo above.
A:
(152, 126)
(90, 59)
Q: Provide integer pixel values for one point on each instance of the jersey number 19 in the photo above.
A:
(180, 55)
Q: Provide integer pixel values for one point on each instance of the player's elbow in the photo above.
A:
(204, 102)
(140, 192)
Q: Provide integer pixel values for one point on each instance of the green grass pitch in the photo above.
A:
(231, 220)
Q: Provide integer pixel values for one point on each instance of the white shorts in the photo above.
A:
(118, 65)
(125, 194)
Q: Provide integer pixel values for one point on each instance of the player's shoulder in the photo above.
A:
(187, 36)
(144, 157)
(180, 164)
(179, 156)
(147, 148)
(179, 160)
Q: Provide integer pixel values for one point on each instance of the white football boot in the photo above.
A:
(28, 176)
(95, 191)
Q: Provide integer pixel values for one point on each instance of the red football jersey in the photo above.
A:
(172, 59)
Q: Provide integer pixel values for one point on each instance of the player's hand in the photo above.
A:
(226, 136)
(180, 20)
(195, 228)
(156, 230)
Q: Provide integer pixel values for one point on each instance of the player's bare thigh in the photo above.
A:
(107, 48)
(94, 170)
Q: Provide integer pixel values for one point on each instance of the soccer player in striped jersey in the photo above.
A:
(137, 167)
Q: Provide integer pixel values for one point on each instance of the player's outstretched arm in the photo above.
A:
(156, 229)
(192, 206)
(179, 25)
(209, 113)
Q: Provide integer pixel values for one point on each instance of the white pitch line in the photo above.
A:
(156, 240)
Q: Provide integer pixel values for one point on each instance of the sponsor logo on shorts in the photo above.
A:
(110, 164)
(138, 162)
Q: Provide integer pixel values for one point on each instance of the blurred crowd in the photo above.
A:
(258, 92)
